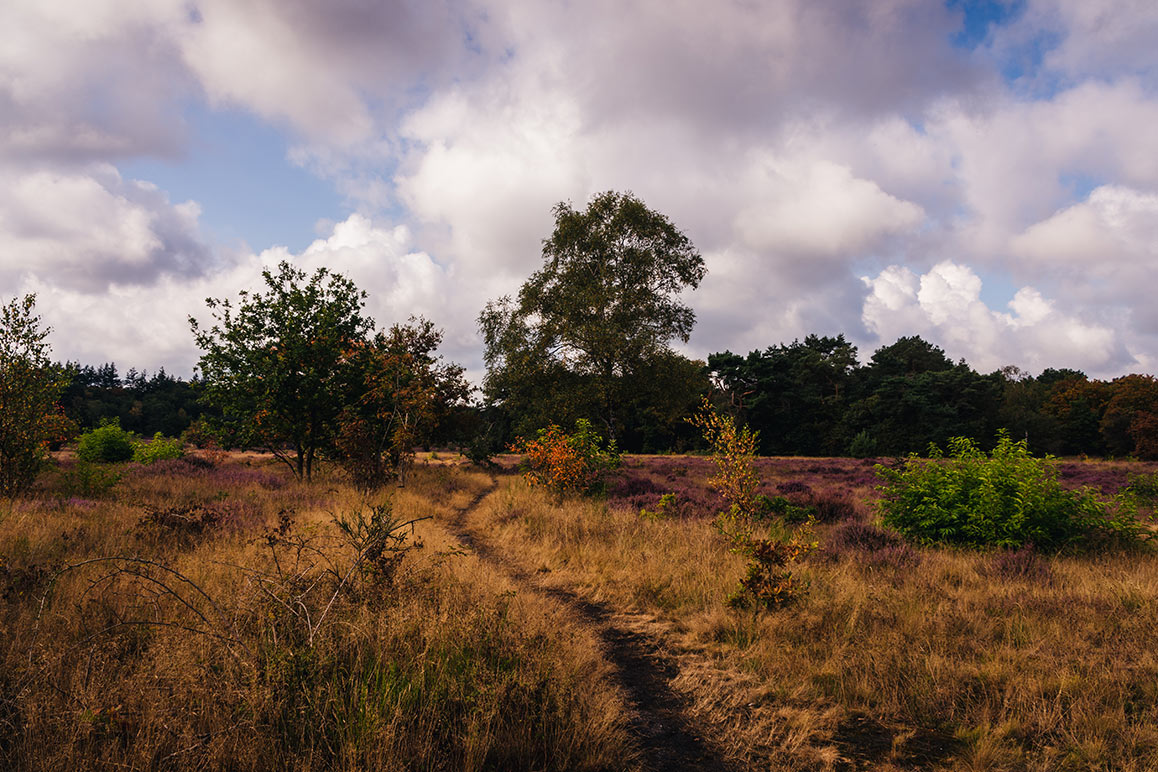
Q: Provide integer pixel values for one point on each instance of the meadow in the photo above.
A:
(212, 612)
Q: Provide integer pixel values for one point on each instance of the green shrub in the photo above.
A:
(157, 449)
(108, 442)
(666, 503)
(1005, 499)
(87, 481)
(863, 445)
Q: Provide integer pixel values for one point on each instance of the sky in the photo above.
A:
(982, 173)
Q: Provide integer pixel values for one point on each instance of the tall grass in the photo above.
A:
(900, 656)
(214, 616)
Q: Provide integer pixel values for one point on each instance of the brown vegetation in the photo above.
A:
(216, 617)
(898, 658)
(199, 614)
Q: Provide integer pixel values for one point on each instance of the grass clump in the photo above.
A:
(1006, 498)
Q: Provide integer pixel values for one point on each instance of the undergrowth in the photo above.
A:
(1006, 498)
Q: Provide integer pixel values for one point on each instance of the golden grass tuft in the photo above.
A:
(937, 660)
(239, 646)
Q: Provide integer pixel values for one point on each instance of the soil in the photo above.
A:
(667, 737)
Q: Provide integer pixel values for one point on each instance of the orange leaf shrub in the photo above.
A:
(567, 463)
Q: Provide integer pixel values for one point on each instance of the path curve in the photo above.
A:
(668, 738)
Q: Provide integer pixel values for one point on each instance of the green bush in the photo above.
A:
(1006, 499)
(157, 449)
(108, 442)
(87, 481)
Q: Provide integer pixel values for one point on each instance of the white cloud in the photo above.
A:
(89, 81)
(142, 325)
(91, 229)
(944, 305)
(821, 210)
(1082, 39)
(799, 145)
(1115, 228)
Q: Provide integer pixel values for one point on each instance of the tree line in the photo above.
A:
(300, 370)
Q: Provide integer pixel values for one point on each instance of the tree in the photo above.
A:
(30, 419)
(794, 395)
(276, 365)
(604, 303)
(911, 394)
(1131, 407)
(402, 393)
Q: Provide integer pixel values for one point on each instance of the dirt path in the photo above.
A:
(667, 736)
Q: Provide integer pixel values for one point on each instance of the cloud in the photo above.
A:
(89, 230)
(1115, 228)
(93, 81)
(822, 211)
(1073, 40)
(146, 324)
(327, 69)
(944, 305)
(800, 145)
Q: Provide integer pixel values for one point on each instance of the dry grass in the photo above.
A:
(212, 647)
(224, 636)
(897, 657)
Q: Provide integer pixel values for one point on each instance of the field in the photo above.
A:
(211, 613)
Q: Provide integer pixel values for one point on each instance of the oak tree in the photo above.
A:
(276, 364)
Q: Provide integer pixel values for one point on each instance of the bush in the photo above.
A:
(86, 480)
(863, 445)
(565, 463)
(769, 583)
(108, 442)
(1004, 499)
(159, 448)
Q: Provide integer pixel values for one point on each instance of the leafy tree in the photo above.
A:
(276, 364)
(911, 395)
(143, 404)
(794, 395)
(404, 392)
(604, 304)
(1023, 397)
(29, 389)
(1078, 404)
(908, 356)
(1132, 405)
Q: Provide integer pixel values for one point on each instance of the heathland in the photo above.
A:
(214, 612)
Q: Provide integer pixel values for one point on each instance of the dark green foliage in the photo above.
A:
(277, 366)
(863, 445)
(589, 334)
(1006, 499)
(795, 395)
(108, 442)
(906, 409)
(29, 386)
(144, 404)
